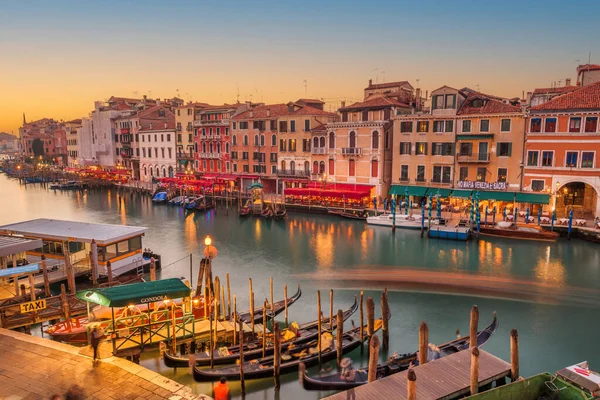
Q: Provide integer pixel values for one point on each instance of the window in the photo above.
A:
(466, 149)
(365, 116)
(256, 140)
(450, 100)
(571, 159)
(244, 125)
(306, 144)
(406, 126)
(273, 157)
(351, 168)
(331, 140)
(331, 166)
(547, 158)
(449, 126)
(438, 126)
(374, 168)
(421, 148)
(438, 102)
(484, 125)
(466, 126)
(178, 112)
(375, 140)
(307, 125)
(505, 125)
(234, 155)
(502, 172)
(537, 185)
(234, 126)
(550, 125)
(203, 131)
(170, 156)
(532, 158)
(235, 168)
(441, 174)
(404, 172)
(273, 124)
(481, 173)
(423, 126)
(420, 173)
(575, 124)
(591, 124)
(405, 148)
(244, 155)
(587, 159)
(246, 168)
(226, 147)
(262, 140)
(352, 140)
(477, 103)
(463, 174)
(282, 145)
(504, 149)
(322, 167)
(292, 126)
(144, 154)
(273, 140)
(292, 145)
(245, 140)
(282, 126)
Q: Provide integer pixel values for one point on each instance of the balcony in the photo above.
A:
(189, 128)
(293, 173)
(214, 122)
(319, 150)
(209, 155)
(127, 153)
(124, 131)
(125, 138)
(477, 158)
(185, 156)
(351, 151)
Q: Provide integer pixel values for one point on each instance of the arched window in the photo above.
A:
(322, 142)
(204, 147)
(331, 167)
(292, 165)
(145, 171)
(274, 140)
(151, 172)
(374, 168)
(164, 173)
(256, 140)
(352, 140)
(283, 165)
(234, 140)
(218, 147)
(210, 147)
(306, 167)
(322, 167)
(315, 167)
(262, 140)
(227, 148)
(331, 140)
(351, 168)
(170, 172)
(375, 140)
(195, 148)
(315, 142)
(245, 140)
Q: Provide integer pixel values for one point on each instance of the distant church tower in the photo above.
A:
(24, 122)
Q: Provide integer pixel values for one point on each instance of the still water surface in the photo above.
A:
(305, 248)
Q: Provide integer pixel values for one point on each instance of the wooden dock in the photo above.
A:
(444, 378)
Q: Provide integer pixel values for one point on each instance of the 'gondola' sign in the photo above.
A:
(33, 306)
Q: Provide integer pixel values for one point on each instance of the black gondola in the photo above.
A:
(245, 211)
(280, 214)
(204, 207)
(361, 215)
(291, 358)
(306, 332)
(396, 363)
(278, 308)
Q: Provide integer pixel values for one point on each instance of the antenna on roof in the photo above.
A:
(477, 86)
(305, 87)
(238, 92)
(589, 58)
(417, 82)
(383, 79)
(376, 76)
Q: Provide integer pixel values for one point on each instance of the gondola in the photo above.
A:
(267, 213)
(278, 308)
(204, 207)
(245, 211)
(305, 333)
(361, 215)
(290, 360)
(396, 363)
(280, 214)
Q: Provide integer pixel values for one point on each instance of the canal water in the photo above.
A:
(323, 252)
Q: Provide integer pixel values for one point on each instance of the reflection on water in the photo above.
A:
(550, 270)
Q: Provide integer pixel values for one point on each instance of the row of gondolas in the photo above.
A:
(299, 345)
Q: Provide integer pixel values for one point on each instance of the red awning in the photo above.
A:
(341, 186)
(249, 176)
(347, 194)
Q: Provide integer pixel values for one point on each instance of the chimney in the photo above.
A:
(165, 125)
(343, 104)
(568, 82)
(268, 112)
(370, 82)
(251, 114)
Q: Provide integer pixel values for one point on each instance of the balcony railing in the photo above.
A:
(124, 130)
(404, 179)
(318, 150)
(185, 156)
(351, 151)
(293, 172)
(474, 158)
(210, 155)
(220, 122)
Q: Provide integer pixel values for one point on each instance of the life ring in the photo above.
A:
(129, 312)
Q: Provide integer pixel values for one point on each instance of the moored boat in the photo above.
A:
(245, 211)
(403, 221)
(290, 359)
(396, 363)
(203, 207)
(160, 197)
(519, 231)
(300, 334)
(450, 233)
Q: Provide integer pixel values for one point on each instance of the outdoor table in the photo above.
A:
(563, 221)
(531, 219)
(510, 217)
(545, 220)
(580, 222)
(522, 213)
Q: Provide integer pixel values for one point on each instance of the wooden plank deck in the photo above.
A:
(444, 378)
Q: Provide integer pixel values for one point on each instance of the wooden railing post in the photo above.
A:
(473, 326)
(423, 342)
(373, 357)
(474, 379)
(514, 355)
(412, 385)
(339, 335)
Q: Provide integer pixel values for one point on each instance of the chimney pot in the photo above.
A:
(268, 112)
(251, 114)
(370, 82)
(568, 82)
(343, 103)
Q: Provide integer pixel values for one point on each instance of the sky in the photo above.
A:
(58, 57)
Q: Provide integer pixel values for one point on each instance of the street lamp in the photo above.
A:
(210, 252)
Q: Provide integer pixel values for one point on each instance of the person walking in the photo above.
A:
(95, 341)
(221, 390)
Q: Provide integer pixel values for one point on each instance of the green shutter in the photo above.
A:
(509, 149)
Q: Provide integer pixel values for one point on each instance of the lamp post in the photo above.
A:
(210, 252)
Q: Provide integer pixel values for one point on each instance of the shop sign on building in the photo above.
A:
(482, 185)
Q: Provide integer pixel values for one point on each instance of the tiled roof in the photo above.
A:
(387, 85)
(585, 98)
(308, 110)
(374, 102)
(467, 91)
(219, 107)
(279, 110)
(310, 101)
(319, 128)
(490, 106)
(559, 90)
(588, 67)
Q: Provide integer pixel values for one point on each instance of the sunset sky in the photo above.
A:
(58, 57)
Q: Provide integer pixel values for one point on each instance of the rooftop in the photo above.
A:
(73, 231)
(490, 106)
(280, 110)
(10, 245)
(387, 85)
(584, 98)
(555, 90)
(374, 102)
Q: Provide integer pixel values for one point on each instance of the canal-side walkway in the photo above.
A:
(34, 368)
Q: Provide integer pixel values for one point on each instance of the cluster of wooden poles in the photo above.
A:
(473, 348)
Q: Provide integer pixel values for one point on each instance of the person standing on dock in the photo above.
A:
(221, 390)
(95, 341)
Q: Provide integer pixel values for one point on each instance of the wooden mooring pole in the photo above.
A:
(271, 298)
(65, 304)
(45, 272)
(339, 335)
(242, 382)
(474, 377)
(423, 342)
(319, 327)
(473, 326)
(109, 271)
(276, 353)
(152, 269)
(411, 387)
(514, 355)
(228, 295)
(385, 312)
(251, 305)
(331, 310)
(234, 320)
(264, 329)
(285, 305)
(373, 357)
(370, 317)
(217, 291)
(362, 320)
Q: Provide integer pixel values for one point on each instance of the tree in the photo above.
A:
(37, 147)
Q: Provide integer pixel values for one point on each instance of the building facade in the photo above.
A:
(184, 125)
(71, 128)
(157, 142)
(37, 138)
(561, 151)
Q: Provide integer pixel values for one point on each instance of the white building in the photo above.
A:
(158, 157)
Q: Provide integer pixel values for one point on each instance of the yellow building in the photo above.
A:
(184, 132)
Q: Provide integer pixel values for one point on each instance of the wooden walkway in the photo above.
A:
(444, 378)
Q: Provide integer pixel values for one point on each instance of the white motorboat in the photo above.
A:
(402, 221)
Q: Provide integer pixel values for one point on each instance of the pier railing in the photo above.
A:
(12, 317)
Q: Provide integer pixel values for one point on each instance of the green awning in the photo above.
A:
(256, 185)
(136, 293)
(462, 194)
(417, 190)
(498, 196)
(442, 191)
(398, 190)
(533, 198)
(475, 137)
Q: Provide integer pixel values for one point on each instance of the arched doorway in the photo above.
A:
(170, 172)
(580, 197)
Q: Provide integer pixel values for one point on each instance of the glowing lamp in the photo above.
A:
(207, 241)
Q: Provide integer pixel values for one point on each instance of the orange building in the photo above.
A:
(561, 149)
